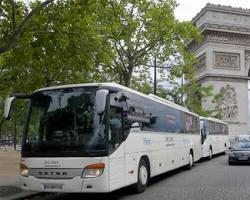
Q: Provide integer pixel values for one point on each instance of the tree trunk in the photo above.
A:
(1, 135)
(14, 128)
(127, 76)
(126, 80)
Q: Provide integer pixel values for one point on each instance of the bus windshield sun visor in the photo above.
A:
(21, 95)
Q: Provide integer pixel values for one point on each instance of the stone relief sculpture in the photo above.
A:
(226, 60)
(228, 105)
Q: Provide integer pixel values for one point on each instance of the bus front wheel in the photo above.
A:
(191, 161)
(143, 177)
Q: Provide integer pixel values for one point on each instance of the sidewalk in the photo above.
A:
(9, 175)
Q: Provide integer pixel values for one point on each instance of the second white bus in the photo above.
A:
(214, 136)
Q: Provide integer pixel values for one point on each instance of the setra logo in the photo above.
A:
(52, 173)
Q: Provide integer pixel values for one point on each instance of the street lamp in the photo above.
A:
(155, 67)
(155, 83)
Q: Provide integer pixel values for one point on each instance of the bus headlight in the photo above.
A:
(93, 171)
(24, 171)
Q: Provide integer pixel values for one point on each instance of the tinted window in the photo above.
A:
(157, 117)
(164, 119)
(216, 128)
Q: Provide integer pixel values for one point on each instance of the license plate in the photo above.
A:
(53, 186)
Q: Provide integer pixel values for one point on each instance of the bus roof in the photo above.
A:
(112, 84)
(168, 102)
(213, 119)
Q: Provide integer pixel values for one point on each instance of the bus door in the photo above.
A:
(116, 148)
(204, 138)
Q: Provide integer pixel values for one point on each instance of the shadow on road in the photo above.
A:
(124, 192)
(116, 195)
(7, 190)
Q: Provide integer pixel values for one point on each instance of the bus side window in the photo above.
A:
(115, 128)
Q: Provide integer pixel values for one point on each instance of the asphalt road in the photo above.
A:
(209, 180)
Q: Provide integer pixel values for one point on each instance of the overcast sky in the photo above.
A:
(187, 9)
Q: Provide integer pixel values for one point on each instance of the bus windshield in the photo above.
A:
(63, 122)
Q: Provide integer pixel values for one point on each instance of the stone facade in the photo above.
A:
(223, 61)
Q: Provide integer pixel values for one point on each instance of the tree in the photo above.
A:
(14, 19)
(141, 30)
(185, 90)
(60, 45)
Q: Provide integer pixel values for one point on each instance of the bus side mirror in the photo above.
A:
(100, 101)
(10, 99)
(7, 107)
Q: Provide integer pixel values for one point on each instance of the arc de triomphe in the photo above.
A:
(224, 61)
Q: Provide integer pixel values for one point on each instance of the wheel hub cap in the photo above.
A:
(143, 175)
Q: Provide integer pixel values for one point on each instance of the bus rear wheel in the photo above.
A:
(210, 154)
(143, 177)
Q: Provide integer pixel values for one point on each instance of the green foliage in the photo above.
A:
(171, 94)
(195, 93)
(15, 125)
(60, 45)
(90, 40)
(12, 14)
(188, 93)
(138, 31)
(144, 87)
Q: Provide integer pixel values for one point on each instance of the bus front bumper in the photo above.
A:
(74, 185)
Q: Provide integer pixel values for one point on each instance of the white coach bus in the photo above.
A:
(215, 136)
(101, 137)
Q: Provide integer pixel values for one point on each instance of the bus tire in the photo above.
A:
(142, 177)
(210, 154)
(190, 162)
